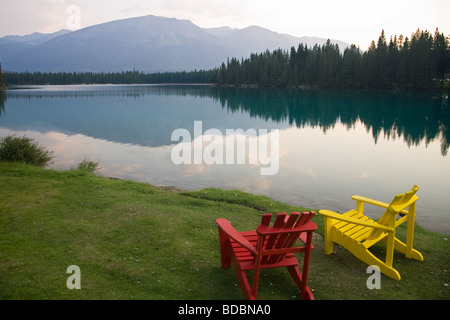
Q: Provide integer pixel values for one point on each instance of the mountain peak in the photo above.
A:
(147, 43)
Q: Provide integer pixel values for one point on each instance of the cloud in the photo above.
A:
(27, 16)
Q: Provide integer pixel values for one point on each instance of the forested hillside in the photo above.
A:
(400, 63)
(419, 62)
(122, 77)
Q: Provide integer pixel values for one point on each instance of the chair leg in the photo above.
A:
(244, 284)
(413, 253)
(225, 249)
(409, 251)
(329, 248)
(369, 258)
(305, 292)
(243, 280)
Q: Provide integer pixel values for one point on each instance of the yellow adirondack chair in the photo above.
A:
(357, 233)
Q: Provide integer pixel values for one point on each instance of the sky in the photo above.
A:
(353, 21)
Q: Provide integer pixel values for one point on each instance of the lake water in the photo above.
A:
(332, 144)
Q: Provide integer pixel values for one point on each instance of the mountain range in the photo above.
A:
(147, 44)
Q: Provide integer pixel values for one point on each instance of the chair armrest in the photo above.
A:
(371, 201)
(265, 230)
(337, 216)
(376, 203)
(226, 227)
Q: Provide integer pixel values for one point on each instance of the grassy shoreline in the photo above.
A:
(135, 241)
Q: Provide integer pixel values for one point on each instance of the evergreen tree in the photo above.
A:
(381, 59)
(351, 68)
(440, 56)
(420, 55)
(392, 63)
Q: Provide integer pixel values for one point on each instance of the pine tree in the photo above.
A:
(392, 63)
(441, 56)
(420, 55)
(381, 77)
(351, 67)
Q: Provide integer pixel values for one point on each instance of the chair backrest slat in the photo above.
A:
(285, 240)
(272, 239)
(400, 202)
(265, 221)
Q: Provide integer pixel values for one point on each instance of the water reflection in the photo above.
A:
(333, 144)
(141, 115)
(412, 117)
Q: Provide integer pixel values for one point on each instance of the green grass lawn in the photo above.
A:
(135, 241)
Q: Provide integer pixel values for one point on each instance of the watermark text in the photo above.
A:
(374, 281)
(74, 20)
(74, 281)
(259, 148)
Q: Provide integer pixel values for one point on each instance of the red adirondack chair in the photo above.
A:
(268, 247)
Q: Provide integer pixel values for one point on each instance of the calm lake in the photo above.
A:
(332, 144)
